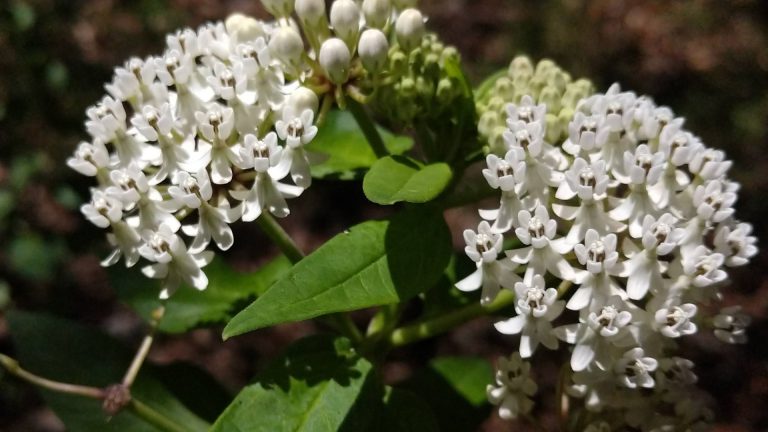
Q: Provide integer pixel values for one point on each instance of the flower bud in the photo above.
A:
(345, 19)
(278, 8)
(377, 12)
(373, 48)
(286, 44)
(409, 29)
(311, 11)
(335, 58)
(243, 28)
(300, 100)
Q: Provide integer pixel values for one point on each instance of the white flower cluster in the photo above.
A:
(210, 131)
(634, 212)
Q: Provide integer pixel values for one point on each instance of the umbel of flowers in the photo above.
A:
(214, 129)
(631, 217)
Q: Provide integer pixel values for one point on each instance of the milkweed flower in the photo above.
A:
(214, 129)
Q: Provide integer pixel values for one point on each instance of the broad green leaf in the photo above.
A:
(397, 178)
(313, 387)
(347, 151)
(69, 352)
(189, 308)
(454, 387)
(372, 264)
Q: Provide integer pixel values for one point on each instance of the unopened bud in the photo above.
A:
(373, 48)
(444, 90)
(335, 58)
(243, 28)
(409, 29)
(311, 11)
(278, 8)
(302, 99)
(345, 19)
(377, 12)
(286, 44)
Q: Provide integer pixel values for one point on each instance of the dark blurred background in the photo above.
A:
(706, 59)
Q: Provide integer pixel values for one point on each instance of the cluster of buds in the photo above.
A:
(546, 83)
(214, 130)
(631, 218)
(419, 84)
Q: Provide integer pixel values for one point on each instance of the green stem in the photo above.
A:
(153, 417)
(146, 344)
(277, 234)
(147, 413)
(369, 129)
(341, 321)
(429, 328)
(13, 367)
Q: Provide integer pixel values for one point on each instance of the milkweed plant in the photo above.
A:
(606, 229)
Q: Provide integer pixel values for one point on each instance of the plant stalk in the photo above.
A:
(433, 327)
(146, 344)
(13, 367)
(154, 417)
(369, 129)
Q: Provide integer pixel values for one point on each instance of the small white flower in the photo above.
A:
(297, 130)
(634, 369)
(513, 387)
(731, 325)
(544, 253)
(536, 308)
(172, 262)
(103, 210)
(713, 202)
(709, 164)
(736, 243)
(90, 159)
(704, 268)
(507, 174)
(675, 321)
(409, 29)
(596, 335)
(527, 111)
(266, 192)
(583, 134)
(483, 247)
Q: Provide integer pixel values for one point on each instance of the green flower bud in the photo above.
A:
(335, 59)
(409, 29)
(345, 19)
(398, 63)
(377, 12)
(373, 49)
(445, 90)
(520, 65)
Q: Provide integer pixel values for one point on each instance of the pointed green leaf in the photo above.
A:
(397, 178)
(346, 148)
(372, 264)
(65, 351)
(313, 387)
(189, 308)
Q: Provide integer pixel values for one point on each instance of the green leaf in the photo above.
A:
(455, 388)
(372, 264)
(347, 151)
(313, 387)
(64, 351)
(189, 308)
(397, 178)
